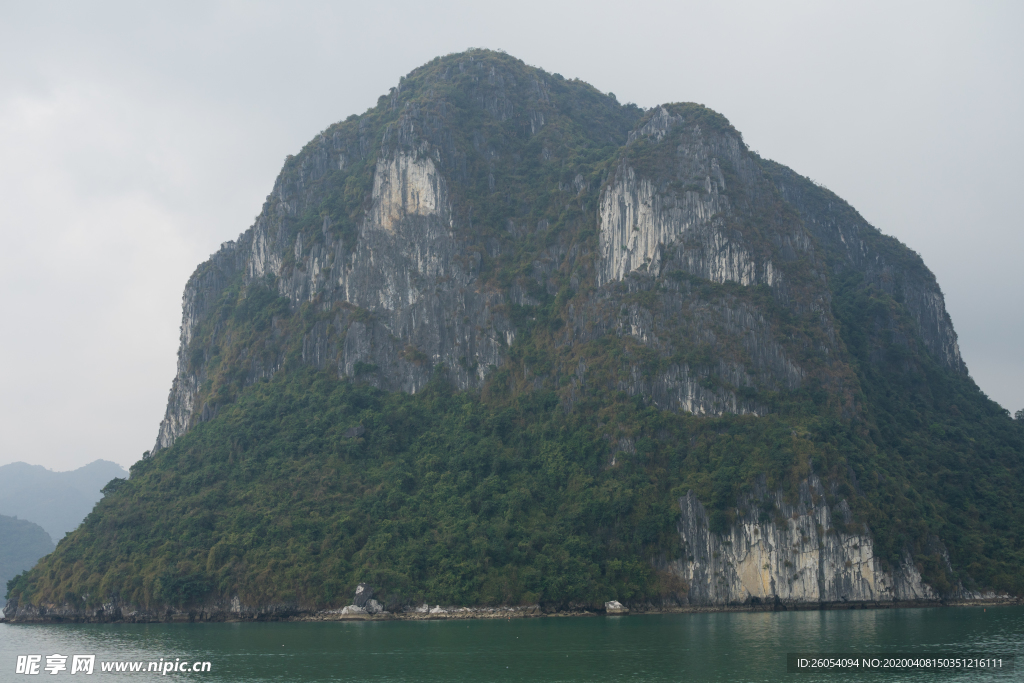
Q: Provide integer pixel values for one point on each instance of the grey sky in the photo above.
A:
(136, 137)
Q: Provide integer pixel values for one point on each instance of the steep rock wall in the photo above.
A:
(889, 265)
(412, 263)
(636, 224)
(412, 272)
(407, 269)
(201, 293)
(639, 221)
(796, 555)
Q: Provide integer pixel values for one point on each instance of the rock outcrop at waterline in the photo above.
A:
(778, 554)
(802, 554)
(796, 553)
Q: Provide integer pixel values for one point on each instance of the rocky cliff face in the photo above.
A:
(408, 270)
(422, 273)
(640, 224)
(853, 245)
(803, 552)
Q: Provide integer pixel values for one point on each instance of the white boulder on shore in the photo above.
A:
(352, 610)
(615, 607)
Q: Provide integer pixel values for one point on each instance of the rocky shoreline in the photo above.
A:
(224, 613)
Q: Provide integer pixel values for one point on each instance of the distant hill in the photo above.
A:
(56, 501)
(22, 543)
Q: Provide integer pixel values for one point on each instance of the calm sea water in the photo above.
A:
(676, 647)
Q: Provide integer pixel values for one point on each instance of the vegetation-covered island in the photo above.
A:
(502, 340)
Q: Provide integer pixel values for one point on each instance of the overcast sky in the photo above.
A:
(136, 137)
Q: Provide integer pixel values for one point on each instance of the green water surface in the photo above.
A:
(670, 647)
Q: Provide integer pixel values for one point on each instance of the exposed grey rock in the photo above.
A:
(353, 610)
(798, 556)
(414, 268)
(615, 607)
(837, 226)
(405, 294)
(657, 126)
(363, 594)
(637, 222)
(116, 610)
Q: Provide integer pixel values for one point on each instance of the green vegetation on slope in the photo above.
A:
(308, 485)
(956, 457)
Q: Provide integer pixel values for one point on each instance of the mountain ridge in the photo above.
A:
(22, 543)
(57, 501)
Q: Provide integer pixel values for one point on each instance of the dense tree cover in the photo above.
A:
(309, 485)
(957, 457)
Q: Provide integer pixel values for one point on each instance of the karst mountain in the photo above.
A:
(504, 340)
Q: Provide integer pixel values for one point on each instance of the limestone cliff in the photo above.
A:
(798, 554)
(502, 339)
(424, 272)
(852, 244)
(638, 223)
